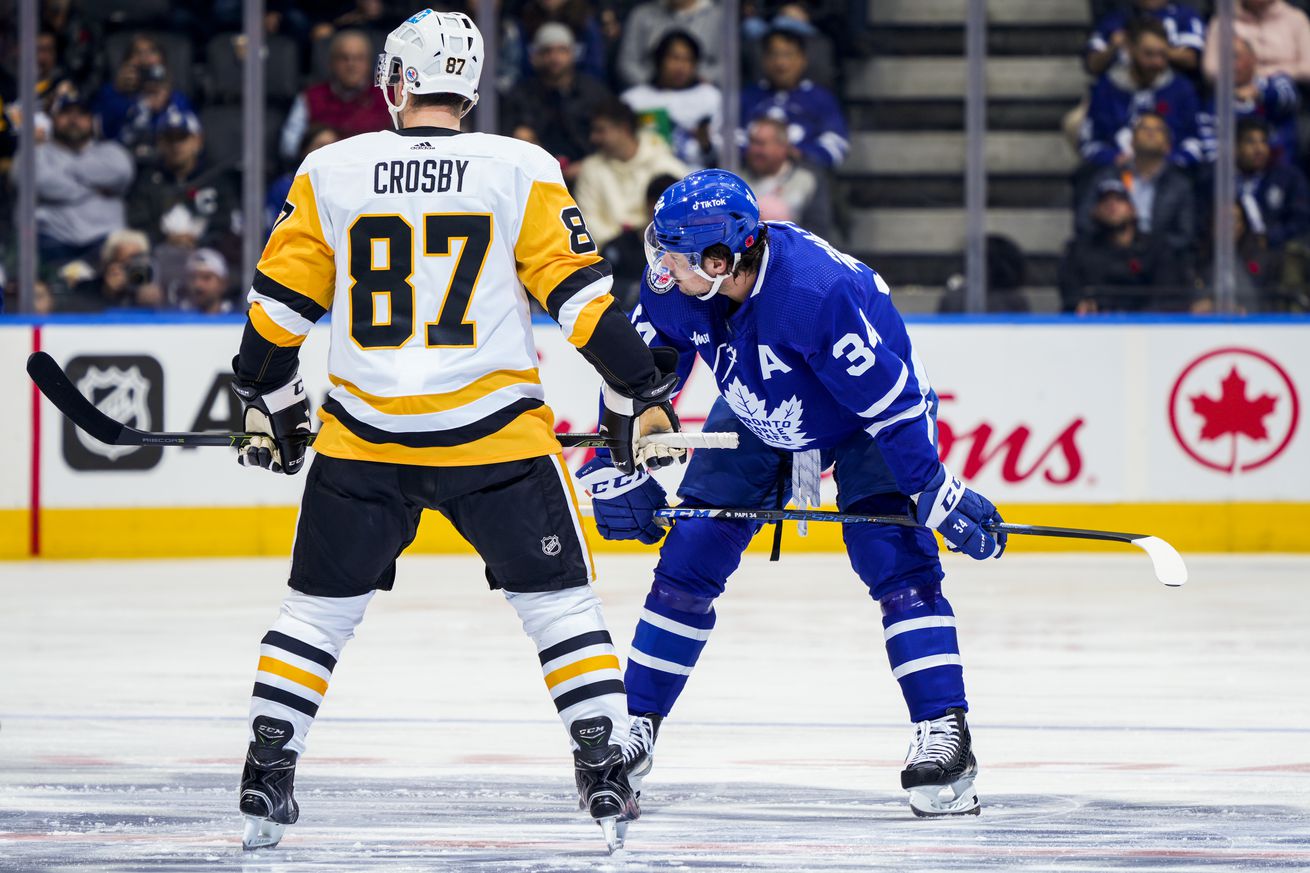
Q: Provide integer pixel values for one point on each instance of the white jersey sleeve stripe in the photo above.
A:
(890, 397)
(914, 412)
(282, 315)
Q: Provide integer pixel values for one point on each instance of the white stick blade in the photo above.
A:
(1169, 566)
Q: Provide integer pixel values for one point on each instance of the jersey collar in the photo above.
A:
(427, 131)
(764, 265)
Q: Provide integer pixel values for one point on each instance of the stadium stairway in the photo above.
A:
(904, 180)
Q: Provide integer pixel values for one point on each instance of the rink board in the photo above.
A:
(1191, 431)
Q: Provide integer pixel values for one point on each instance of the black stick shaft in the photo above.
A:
(772, 515)
(60, 390)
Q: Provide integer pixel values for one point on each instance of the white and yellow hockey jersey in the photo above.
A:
(420, 243)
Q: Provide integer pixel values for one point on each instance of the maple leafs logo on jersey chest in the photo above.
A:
(780, 427)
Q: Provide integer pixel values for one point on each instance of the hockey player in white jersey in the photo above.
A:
(421, 241)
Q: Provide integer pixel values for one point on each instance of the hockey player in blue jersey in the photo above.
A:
(815, 370)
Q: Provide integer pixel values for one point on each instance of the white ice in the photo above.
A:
(1118, 724)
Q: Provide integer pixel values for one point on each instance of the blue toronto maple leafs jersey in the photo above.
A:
(816, 355)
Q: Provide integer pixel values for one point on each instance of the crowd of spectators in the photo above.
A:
(1148, 143)
(139, 109)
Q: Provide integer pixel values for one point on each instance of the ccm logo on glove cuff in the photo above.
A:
(607, 482)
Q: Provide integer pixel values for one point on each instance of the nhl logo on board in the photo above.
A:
(550, 545)
(127, 388)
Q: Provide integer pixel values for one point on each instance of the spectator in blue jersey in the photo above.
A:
(1117, 268)
(157, 99)
(813, 116)
(1275, 197)
(141, 92)
(1162, 194)
(1144, 82)
(816, 369)
(1184, 27)
(1273, 97)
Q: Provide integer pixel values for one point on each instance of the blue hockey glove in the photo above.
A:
(959, 515)
(624, 503)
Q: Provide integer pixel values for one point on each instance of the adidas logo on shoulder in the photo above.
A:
(425, 145)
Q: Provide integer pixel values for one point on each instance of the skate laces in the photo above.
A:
(640, 739)
(936, 740)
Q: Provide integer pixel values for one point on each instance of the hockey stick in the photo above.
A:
(60, 390)
(1168, 564)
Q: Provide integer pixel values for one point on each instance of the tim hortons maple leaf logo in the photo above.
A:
(1234, 409)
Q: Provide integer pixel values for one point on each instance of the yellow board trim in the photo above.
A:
(421, 404)
(301, 677)
(233, 532)
(270, 330)
(15, 534)
(577, 668)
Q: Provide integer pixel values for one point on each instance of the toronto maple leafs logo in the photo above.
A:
(780, 427)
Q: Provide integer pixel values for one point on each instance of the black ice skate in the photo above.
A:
(601, 770)
(267, 781)
(940, 767)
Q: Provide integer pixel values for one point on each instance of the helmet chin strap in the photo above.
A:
(393, 108)
(716, 282)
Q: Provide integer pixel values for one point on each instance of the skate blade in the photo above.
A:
(637, 777)
(261, 833)
(615, 832)
(933, 801)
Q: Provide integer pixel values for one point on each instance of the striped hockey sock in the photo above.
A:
(919, 628)
(668, 641)
(297, 657)
(577, 654)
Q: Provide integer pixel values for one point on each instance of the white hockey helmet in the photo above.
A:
(431, 53)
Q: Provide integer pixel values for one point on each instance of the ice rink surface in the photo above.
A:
(1118, 724)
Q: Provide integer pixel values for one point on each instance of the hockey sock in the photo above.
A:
(673, 629)
(919, 628)
(297, 656)
(577, 655)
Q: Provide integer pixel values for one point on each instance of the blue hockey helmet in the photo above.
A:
(706, 208)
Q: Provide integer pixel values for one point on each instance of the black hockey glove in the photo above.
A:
(626, 417)
(281, 416)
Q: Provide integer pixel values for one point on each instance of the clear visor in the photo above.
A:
(666, 266)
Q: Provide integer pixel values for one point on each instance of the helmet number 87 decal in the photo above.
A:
(455, 66)
(579, 237)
